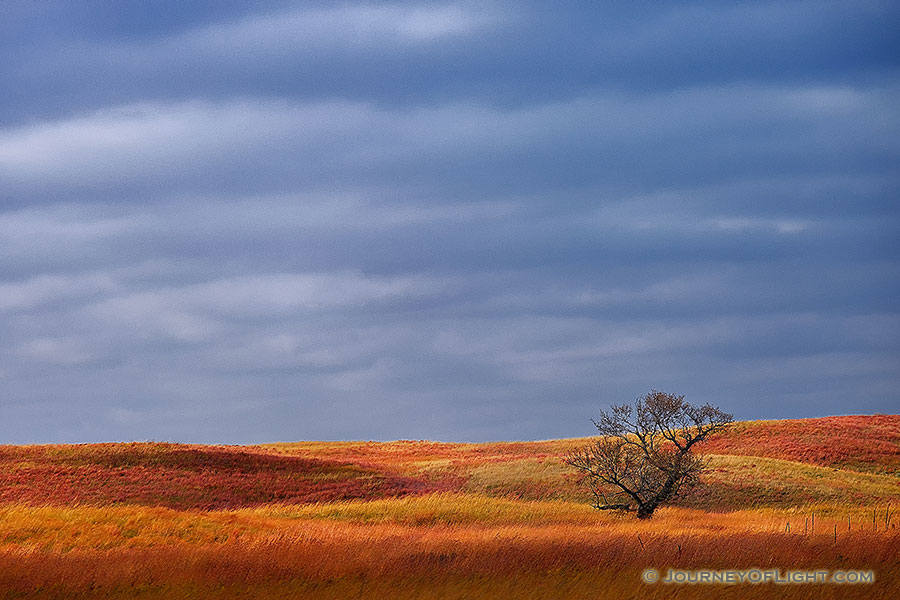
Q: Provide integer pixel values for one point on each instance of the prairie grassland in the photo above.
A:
(444, 545)
(434, 546)
(426, 520)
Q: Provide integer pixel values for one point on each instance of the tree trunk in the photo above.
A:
(645, 511)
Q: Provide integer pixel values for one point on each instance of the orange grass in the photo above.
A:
(428, 520)
(320, 557)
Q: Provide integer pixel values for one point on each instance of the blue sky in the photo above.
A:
(244, 222)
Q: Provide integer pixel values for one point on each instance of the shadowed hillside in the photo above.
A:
(186, 477)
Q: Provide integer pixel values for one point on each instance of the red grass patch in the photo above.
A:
(864, 442)
(186, 477)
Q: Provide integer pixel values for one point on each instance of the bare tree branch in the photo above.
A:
(644, 458)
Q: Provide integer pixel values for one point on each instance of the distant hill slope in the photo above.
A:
(185, 476)
(860, 442)
(753, 464)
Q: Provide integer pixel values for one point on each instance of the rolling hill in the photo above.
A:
(504, 519)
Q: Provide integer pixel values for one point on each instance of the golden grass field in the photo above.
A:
(426, 520)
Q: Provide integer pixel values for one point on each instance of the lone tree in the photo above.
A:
(644, 458)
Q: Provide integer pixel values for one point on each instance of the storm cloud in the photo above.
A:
(235, 222)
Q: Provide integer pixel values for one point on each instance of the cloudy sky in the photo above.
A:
(246, 222)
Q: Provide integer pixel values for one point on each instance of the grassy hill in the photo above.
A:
(426, 519)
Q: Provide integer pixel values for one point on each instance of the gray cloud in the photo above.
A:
(597, 139)
(240, 224)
